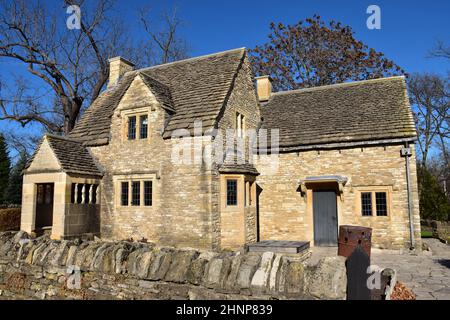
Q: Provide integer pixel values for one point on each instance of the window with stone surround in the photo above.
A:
(143, 130)
(366, 203)
(375, 202)
(136, 192)
(136, 124)
(232, 192)
(132, 128)
(124, 193)
(148, 186)
(240, 125)
(381, 203)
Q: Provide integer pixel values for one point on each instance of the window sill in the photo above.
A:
(136, 140)
(134, 207)
(375, 216)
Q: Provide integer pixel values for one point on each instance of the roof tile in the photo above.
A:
(192, 89)
(357, 111)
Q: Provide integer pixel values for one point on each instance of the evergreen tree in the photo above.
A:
(433, 202)
(5, 167)
(13, 193)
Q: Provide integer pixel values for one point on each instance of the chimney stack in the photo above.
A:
(263, 88)
(118, 66)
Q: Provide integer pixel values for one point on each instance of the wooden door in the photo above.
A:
(44, 205)
(325, 218)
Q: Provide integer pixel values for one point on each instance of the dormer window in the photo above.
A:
(131, 128)
(143, 132)
(136, 126)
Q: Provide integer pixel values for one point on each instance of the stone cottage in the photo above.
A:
(343, 154)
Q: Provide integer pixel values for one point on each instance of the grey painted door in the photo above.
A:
(325, 218)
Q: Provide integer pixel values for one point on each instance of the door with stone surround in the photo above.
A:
(325, 218)
(44, 205)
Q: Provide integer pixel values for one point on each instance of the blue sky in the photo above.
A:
(409, 29)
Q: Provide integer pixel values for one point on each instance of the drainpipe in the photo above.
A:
(406, 152)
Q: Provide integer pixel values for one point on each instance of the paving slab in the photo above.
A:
(427, 275)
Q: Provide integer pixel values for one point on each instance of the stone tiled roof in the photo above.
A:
(161, 92)
(245, 168)
(192, 89)
(72, 156)
(358, 111)
(199, 87)
(94, 126)
(233, 164)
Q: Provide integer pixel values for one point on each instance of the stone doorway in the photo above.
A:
(325, 218)
(44, 206)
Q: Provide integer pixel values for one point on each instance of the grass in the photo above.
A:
(427, 234)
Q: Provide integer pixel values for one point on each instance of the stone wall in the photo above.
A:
(242, 100)
(181, 210)
(43, 269)
(185, 210)
(81, 219)
(286, 214)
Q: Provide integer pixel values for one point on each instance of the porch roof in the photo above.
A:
(72, 156)
(339, 180)
(236, 164)
(331, 178)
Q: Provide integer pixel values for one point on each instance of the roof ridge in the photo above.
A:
(51, 135)
(343, 84)
(192, 59)
(116, 85)
(147, 81)
(139, 73)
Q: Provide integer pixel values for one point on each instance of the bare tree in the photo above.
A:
(68, 68)
(430, 96)
(71, 63)
(441, 50)
(169, 45)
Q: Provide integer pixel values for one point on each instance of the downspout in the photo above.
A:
(406, 152)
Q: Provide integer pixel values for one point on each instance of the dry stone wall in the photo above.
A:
(46, 269)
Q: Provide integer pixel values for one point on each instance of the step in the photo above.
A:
(279, 246)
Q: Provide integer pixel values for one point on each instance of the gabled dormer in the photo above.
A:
(182, 92)
(144, 109)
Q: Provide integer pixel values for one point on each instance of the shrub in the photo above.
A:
(10, 219)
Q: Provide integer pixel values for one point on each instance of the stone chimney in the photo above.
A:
(118, 66)
(263, 88)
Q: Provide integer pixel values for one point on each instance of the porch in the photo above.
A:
(61, 190)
